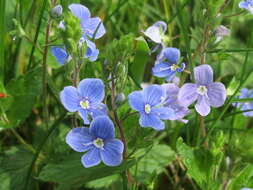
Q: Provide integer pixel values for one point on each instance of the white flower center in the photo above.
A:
(98, 143)
(174, 67)
(85, 104)
(201, 90)
(147, 108)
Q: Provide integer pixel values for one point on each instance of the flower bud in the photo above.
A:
(56, 12)
(120, 98)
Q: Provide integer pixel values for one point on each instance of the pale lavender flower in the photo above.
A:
(171, 101)
(245, 93)
(156, 32)
(205, 91)
(220, 32)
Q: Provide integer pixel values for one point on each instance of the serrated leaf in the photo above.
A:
(154, 162)
(22, 95)
(199, 163)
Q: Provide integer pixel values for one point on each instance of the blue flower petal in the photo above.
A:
(171, 76)
(98, 110)
(80, 11)
(171, 54)
(111, 155)
(161, 69)
(151, 120)
(84, 115)
(91, 52)
(79, 139)
(135, 100)
(164, 112)
(70, 98)
(92, 25)
(91, 158)
(180, 69)
(102, 127)
(60, 54)
(92, 89)
(162, 25)
(244, 5)
(153, 95)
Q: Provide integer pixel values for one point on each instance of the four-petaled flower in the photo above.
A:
(171, 101)
(91, 26)
(98, 142)
(149, 104)
(248, 5)
(86, 99)
(205, 91)
(167, 64)
(156, 32)
(245, 93)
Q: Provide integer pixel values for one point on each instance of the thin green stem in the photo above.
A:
(44, 75)
(22, 141)
(37, 34)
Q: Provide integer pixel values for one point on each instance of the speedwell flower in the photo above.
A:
(247, 4)
(156, 32)
(172, 102)
(245, 93)
(90, 25)
(167, 64)
(205, 91)
(148, 103)
(86, 99)
(98, 142)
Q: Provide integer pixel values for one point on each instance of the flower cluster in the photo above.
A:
(167, 61)
(98, 141)
(169, 102)
(245, 106)
(92, 28)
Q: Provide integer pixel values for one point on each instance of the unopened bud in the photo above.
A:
(56, 12)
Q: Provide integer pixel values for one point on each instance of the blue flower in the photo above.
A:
(171, 101)
(88, 24)
(62, 56)
(248, 5)
(86, 99)
(98, 142)
(245, 93)
(149, 104)
(156, 32)
(167, 64)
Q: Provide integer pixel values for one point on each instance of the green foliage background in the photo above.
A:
(33, 123)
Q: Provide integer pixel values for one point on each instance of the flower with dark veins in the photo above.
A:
(206, 92)
(98, 142)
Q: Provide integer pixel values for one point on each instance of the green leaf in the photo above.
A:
(153, 163)
(242, 178)
(22, 94)
(77, 175)
(15, 164)
(199, 163)
(141, 57)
